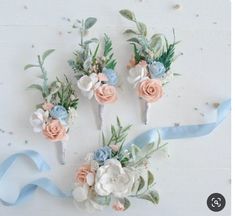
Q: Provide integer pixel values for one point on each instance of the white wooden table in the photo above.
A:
(189, 170)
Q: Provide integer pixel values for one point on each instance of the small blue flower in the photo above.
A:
(157, 69)
(111, 75)
(59, 112)
(102, 154)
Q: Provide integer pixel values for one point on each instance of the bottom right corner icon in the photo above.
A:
(216, 202)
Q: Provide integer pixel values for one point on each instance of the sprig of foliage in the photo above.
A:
(44, 88)
(118, 134)
(66, 95)
(152, 49)
(110, 62)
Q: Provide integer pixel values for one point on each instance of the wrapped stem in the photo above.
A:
(146, 108)
(100, 116)
(61, 151)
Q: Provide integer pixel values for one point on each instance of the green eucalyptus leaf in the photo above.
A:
(142, 28)
(150, 178)
(151, 196)
(127, 14)
(93, 40)
(127, 203)
(155, 39)
(134, 40)
(141, 183)
(36, 86)
(30, 66)
(89, 22)
(130, 31)
(46, 54)
(102, 200)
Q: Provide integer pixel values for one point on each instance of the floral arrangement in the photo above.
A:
(149, 68)
(56, 114)
(95, 73)
(116, 172)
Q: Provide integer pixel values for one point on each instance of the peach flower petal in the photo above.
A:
(106, 94)
(150, 90)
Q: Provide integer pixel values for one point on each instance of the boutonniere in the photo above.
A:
(150, 66)
(95, 69)
(115, 173)
(54, 116)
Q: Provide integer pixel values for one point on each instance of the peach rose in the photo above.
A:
(150, 90)
(118, 206)
(106, 94)
(54, 131)
(47, 106)
(85, 175)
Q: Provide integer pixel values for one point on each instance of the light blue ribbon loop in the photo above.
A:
(181, 132)
(28, 190)
(34, 156)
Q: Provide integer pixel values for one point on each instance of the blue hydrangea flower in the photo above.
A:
(156, 69)
(59, 112)
(102, 154)
(111, 75)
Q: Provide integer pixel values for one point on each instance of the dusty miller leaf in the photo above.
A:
(29, 66)
(150, 178)
(89, 22)
(46, 54)
(151, 196)
(127, 14)
(141, 184)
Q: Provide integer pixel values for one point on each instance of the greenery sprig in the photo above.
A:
(57, 92)
(86, 61)
(155, 48)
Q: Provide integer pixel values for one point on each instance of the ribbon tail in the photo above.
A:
(28, 190)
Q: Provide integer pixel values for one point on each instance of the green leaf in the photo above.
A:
(46, 54)
(89, 22)
(30, 66)
(142, 28)
(129, 31)
(177, 74)
(134, 40)
(92, 40)
(102, 200)
(141, 184)
(155, 39)
(103, 139)
(127, 203)
(36, 86)
(150, 178)
(127, 14)
(151, 196)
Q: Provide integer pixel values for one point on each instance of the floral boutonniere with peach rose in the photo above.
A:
(54, 116)
(149, 68)
(115, 173)
(95, 69)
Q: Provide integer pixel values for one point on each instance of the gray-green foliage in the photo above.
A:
(86, 60)
(57, 92)
(151, 49)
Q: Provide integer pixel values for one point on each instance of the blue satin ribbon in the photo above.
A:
(181, 132)
(29, 189)
(34, 156)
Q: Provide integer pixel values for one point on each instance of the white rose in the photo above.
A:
(37, 119)
(136, 74)
(111, 178)
(87, 84)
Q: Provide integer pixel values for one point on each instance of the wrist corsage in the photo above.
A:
(116, 172)
(55, 115)
(95, 73)
(149, 68)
